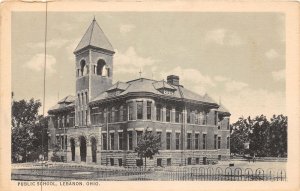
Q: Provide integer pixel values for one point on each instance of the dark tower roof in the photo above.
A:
(94, 37)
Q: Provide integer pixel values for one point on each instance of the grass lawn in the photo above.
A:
(66, 171)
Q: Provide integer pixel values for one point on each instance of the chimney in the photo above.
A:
(172, 79)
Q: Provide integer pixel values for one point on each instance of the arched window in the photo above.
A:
(82, 99)
(86, 98)
(101, 68)
(83, 68)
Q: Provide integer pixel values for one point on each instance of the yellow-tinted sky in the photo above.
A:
(239, 57)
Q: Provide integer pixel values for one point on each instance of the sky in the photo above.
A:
(237, 58)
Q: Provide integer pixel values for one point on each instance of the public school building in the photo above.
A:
(103, 122)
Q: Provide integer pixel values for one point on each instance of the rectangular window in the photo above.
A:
(139, 105)
(121, 141)
(120, 162)
(204, 141)
(228, 143)
(66, 142)
(177, 115)
(168, 114)
(82, 99)
(169, 162)
(79, 103)
(196, 117)
(109, 115)
(130, 110)
(177, 141)
(115, 115)
(201, 118)
(58, 122)
(215, 141)
(101, 118)
(196, 141)
(228, 124)
(188, 115)
(158, 112)
(159, 162)
(61, 142)
(121, 118)
(112, 162)
(121, 114)
(130, 145)
(197, 161)
(168, 141)
(138, 136)
(159, 137)
(149, 110)
(112, 141)
(57, 139)
(71, 120)
(82, 118)
(86, 98)
(104, 141)
(86, 117)
(219, 142)
(189, 161)
(64, 121)
(189, 141)
(124, 113)
(216, 117)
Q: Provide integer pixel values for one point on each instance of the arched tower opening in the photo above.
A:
(83, 68)
(102, 69)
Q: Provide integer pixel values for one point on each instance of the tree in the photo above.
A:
(27, 130)
(148, 145)
(240, 131)
(40, 142)
(259, 138)
(266, 138)
(278, 136)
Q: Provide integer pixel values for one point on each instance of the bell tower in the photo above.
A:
(94, 69)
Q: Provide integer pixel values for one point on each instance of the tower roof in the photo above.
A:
(94, 37)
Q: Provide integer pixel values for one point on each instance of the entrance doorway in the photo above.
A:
(94, 149)
(219, 157)
(83, 149)
(72, 143)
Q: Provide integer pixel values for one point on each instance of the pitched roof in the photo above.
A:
(119, 85)
(163, 84)
(144, 85)
(68, 99)
(65, 103)
(224, 110)
(94, 36)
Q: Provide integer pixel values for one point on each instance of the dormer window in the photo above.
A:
(164, 88)
(114, 93)
(168, 92)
